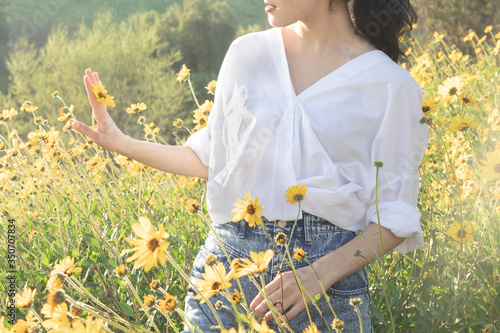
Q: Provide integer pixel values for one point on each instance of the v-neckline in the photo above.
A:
(337, 70)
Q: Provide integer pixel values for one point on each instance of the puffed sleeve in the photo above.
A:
(200, 141)
(400, 144)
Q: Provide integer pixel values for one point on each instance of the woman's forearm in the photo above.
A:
(180, 160)
(343, 262)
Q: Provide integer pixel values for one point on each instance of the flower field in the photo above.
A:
(103, 243)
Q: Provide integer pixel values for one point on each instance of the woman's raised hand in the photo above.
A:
(107, 135)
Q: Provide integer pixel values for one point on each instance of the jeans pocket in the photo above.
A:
(352, 285)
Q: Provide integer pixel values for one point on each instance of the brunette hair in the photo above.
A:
(383, 22)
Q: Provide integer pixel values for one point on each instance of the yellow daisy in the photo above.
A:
(214, 281)
(54, 283)
(233, 330)
(7, 115)
(429, 105)
(200, 119)
(22, 326)
(467, 99)
(25, 299)
(168, 303)
(28, 107)
(192, 206)
(491, 170)
(462, 123)
(461, 234)
(151, 248)
(338, 325)
(136, 108)
(121, 270)
(63, 116)
(450, 89)
(247, 209)
(148, 300)
(183, 74)
(59, 320)
(280, 238)
(261, 328)
(211, 87)
(299, 254)
(311, 329)
(66, 266)
(102, 96)
(257, 265)
(296, 193)
(236, 296)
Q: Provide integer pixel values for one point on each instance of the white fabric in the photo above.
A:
(262, 137)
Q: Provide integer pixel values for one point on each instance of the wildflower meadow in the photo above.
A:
(96, 242)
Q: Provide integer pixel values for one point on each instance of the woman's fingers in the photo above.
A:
(86, 130)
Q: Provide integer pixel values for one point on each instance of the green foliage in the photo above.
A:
(454, 18)
(201, 30)
(122, 53)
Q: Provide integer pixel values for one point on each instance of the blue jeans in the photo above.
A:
(317, 237)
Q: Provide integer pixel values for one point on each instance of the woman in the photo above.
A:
(314, 101)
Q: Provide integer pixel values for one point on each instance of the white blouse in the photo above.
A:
(263, 137)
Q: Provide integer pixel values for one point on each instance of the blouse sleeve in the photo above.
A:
(400, 144)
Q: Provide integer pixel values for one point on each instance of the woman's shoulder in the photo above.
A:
(253, 40)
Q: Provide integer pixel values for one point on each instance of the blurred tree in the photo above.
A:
(4, 6)
(123, 55)
(454, 18)
(202, 30)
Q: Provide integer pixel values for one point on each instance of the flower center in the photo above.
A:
(465, 126)
(453, 91)
(466, 100)
(497, 168)
(202, 121)
(250, 209)
(153, 244)
(426, 109)
(101, 95)
(216, 286)
(461, 233)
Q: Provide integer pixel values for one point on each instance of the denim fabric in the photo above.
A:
(317, 237)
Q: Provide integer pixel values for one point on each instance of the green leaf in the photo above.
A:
(45, 260)
(379, 315)
(439, 314)
(395, 297)
(121, 283)
(243, 318)
(127, 309)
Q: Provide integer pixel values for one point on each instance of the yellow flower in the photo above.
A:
(482, 39)
(437, 37)
(488, 29)
(136, 108)
(311, 329)
(168, 303)
(280, 238)
(54, 283)
(299, 254)
(491, 170)
(151, 248)
(233, 330)
(211, 87)
(355, 301)
(66, 266)
(261, 328)
(429, 105)
(467, 99)
(154, 284)
(102, 96)
(192, 206)
(177, 122)
(200, 119)
(148, 300)
(7, 115)
(295, 193)
(462, 123)
(236, 296)
(214, 281)
(121, 270)
(59, 320)
(257, 265)
(247, 209)
(183, 75)
(55, 93)
(25, 299)
(338, 325)
(450, 89)
(64, 116)
(28, 107)
(21, 326)
(461, 234)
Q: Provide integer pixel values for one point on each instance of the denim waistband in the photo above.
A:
(307, 225)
